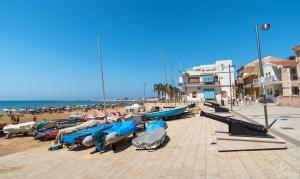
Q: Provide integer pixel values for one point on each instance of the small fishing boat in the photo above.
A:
(75, 139)
(23, 128)
(167, 113)
(49, 132)
(117, 132)
(2, 124)
(153, 137)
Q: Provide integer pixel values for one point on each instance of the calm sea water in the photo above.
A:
(35, 104)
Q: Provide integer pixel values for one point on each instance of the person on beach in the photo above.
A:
(18, 119)
(34, 118)
(12, 119)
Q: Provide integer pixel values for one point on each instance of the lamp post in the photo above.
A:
(230, 85)
(257, 28)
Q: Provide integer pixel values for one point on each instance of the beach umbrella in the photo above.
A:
(13, 110)
(6, 110)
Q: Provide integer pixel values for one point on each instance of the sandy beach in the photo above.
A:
(18, 144)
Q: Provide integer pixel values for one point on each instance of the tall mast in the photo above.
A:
(164, 67)
(173, 85)
(102, 75)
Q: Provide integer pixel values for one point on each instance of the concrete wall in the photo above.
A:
(286, 82)
(293, 101)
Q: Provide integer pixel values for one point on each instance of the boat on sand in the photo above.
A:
(23, 128)
(153, 137)
(167, 113)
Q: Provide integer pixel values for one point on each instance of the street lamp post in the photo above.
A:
(263, 27)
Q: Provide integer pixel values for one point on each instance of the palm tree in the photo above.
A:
(157, 89)
(164, 90)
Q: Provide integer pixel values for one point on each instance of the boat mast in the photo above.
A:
(102, 76)
(173, 83)
(164, 69)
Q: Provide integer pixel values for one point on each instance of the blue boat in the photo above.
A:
(168, 113)
(156, 124)
(77, 137)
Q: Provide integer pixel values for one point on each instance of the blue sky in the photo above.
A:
(48, 49)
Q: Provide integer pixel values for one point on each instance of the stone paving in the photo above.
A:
(191, 152)
(288, 118)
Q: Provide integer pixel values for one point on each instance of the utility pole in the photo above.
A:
(230, 85)
(183, 84)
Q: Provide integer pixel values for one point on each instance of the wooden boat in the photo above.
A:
(167, 113)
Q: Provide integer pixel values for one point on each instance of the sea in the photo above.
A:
(37, 104)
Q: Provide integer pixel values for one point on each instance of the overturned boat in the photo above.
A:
(117, 132)
(15, 129)
(153, 138)
(47, 129)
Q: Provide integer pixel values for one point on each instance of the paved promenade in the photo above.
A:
(191, 152)
(288, 119)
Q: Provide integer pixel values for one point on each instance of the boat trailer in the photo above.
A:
(238, 127)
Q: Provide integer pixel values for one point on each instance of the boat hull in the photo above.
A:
(168, 113)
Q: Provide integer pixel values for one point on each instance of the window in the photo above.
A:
(295, 90)
(194, 80)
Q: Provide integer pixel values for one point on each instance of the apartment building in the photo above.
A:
(207, 82)
(281, 78)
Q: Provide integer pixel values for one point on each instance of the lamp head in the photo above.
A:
(266, 27)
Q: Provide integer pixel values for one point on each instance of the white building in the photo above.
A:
(208, 81)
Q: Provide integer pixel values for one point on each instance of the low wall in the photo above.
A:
(293, 101)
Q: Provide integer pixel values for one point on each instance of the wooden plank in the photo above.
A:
(233, 143)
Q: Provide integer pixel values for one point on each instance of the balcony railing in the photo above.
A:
(257, 82)
(200, 83)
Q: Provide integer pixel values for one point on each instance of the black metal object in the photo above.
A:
(217, 108)
(212, 103)
(192, 105)
(238, 127)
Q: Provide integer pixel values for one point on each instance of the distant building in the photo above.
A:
(207, 81)
(281, 78)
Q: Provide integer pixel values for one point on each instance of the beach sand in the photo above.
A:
(18, 144)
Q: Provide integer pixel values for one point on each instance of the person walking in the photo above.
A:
(250, 101)
(245, 100)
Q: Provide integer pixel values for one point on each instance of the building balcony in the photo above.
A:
(268, 80)
(197, 84)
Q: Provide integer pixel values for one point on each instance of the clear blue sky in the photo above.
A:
(48, 49)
